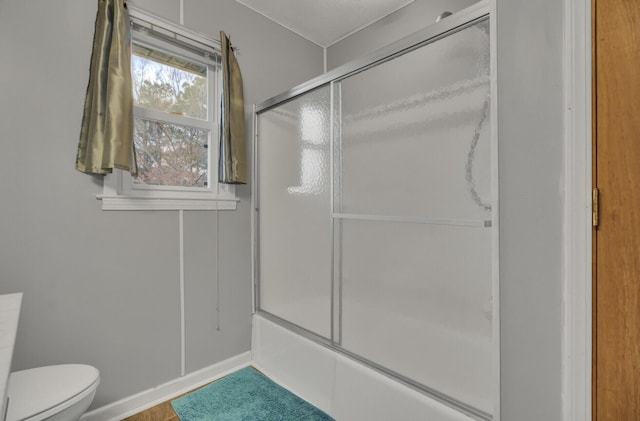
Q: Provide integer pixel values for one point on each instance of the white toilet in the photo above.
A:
(53, 393)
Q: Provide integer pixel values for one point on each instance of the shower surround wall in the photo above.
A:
(102, 288)
(375, 229)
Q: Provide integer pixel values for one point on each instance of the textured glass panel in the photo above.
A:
(417, 300)
(170, 154)
(416, 132)
(168, 83)
(295, 223)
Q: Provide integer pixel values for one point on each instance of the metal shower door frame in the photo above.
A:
(483, 10)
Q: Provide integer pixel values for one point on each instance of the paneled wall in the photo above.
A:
(102, 288)
(58, 247)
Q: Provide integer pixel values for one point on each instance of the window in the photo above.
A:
(172, 118)
(176, 81)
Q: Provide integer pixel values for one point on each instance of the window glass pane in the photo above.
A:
(171, 154)
(168, 83)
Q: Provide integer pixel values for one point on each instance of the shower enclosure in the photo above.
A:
(375, 216)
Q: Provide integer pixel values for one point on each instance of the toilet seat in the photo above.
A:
(39, 393)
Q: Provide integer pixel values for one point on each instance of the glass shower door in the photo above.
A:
(295, 225)
(376, 228)
(414, 216)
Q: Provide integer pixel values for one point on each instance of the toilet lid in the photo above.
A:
(39, 389)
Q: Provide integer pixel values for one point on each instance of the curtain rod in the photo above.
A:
(149, 22)
(206, 50)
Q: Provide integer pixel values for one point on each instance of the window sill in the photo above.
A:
(118, 194)
(145, 203)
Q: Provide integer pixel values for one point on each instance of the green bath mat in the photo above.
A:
(245, 395)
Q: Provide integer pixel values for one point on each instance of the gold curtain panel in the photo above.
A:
(232, 167)
(106, 136)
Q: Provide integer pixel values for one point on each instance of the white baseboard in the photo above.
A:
(151, 397)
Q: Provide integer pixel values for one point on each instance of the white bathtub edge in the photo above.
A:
(340, 386)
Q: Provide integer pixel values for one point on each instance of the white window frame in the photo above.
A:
(119, 190)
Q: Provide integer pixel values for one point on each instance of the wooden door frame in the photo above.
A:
(577, 286)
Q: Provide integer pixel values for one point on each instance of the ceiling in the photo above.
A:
(332, 20)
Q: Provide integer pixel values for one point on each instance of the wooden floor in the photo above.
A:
(160, 412)
(164, 411)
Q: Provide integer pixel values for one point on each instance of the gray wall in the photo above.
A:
(530, 130)
(102, 288)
